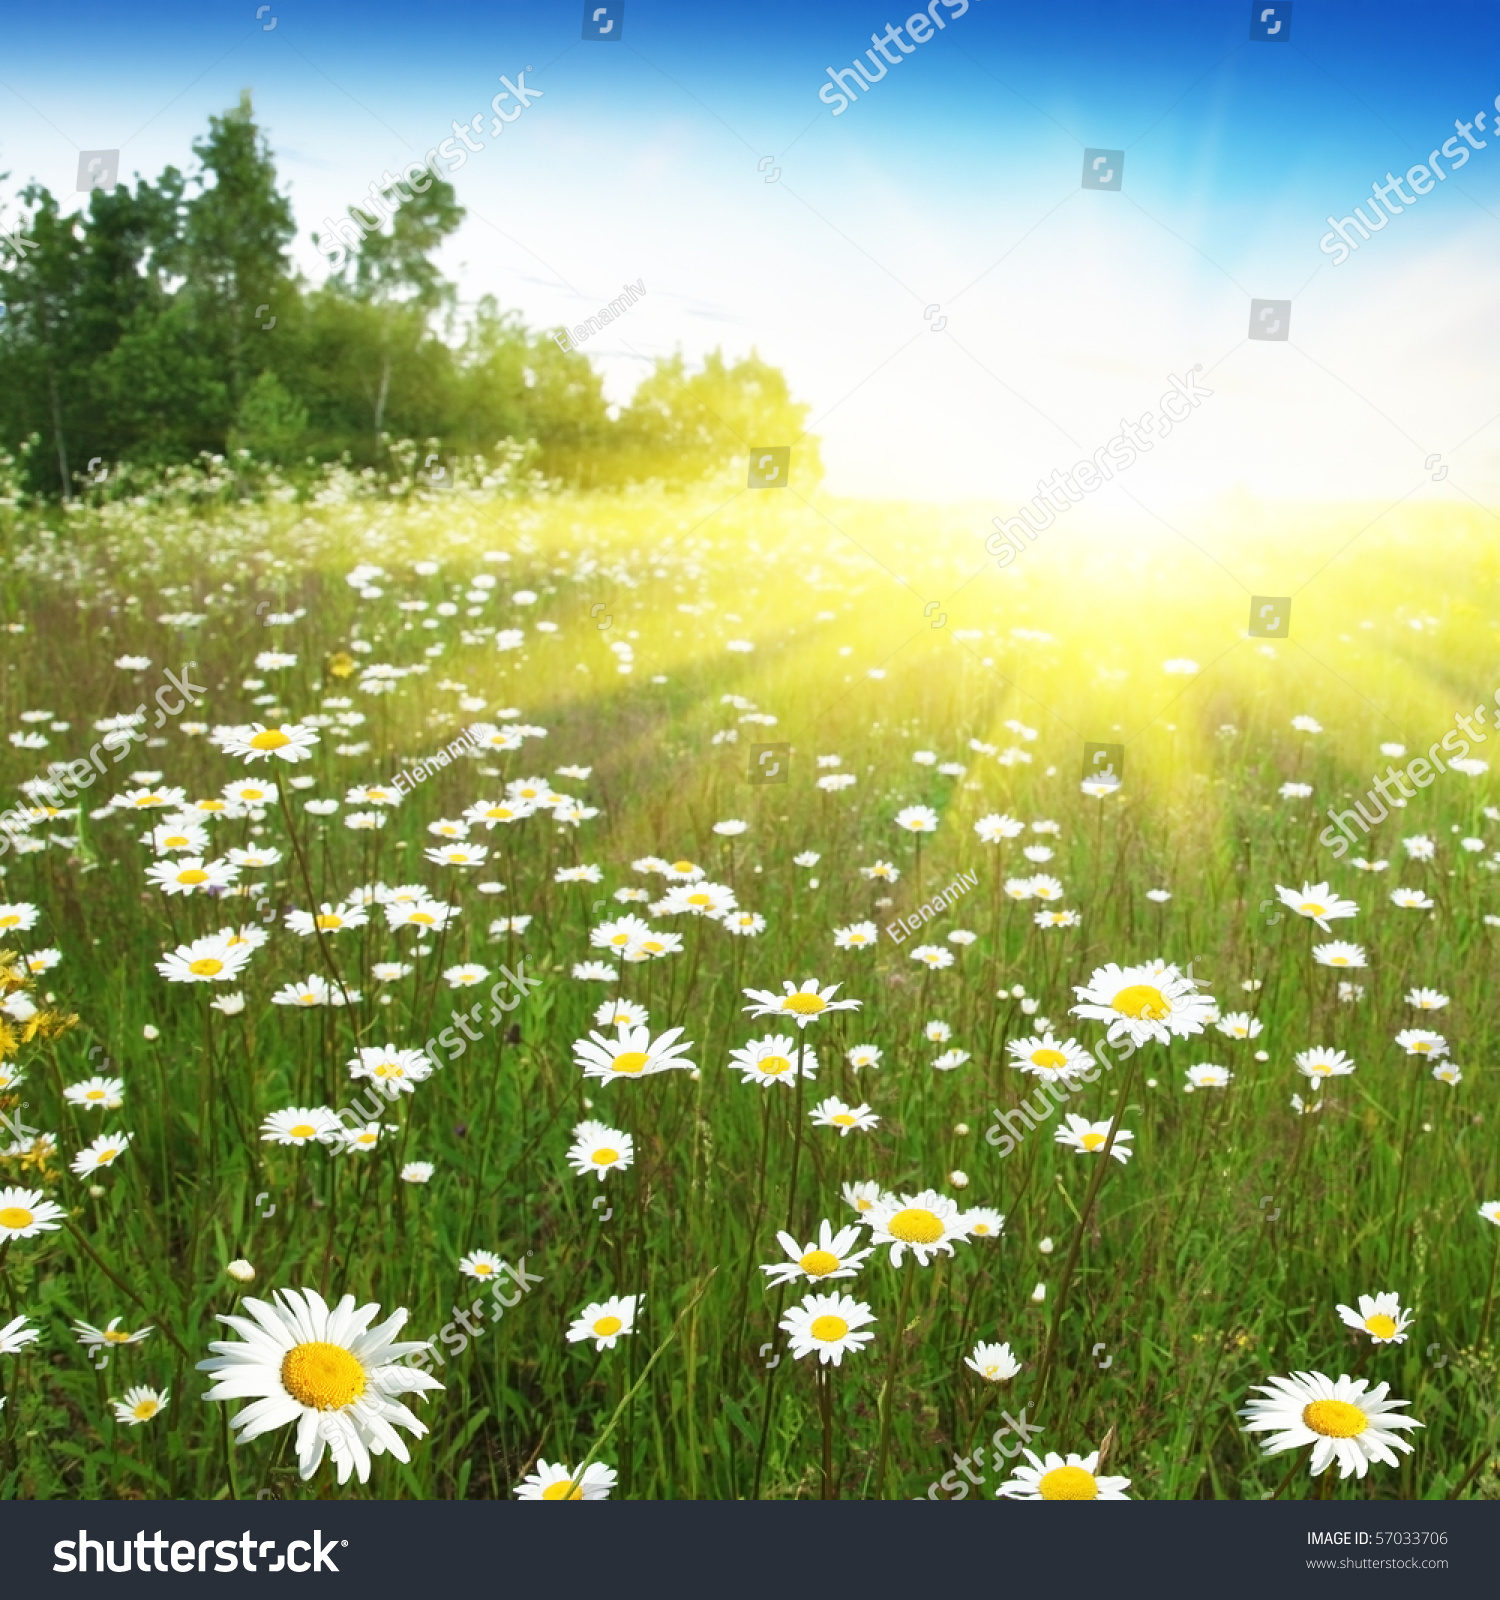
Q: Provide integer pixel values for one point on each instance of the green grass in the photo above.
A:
(1184, 1276)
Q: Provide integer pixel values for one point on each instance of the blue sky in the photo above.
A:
(954, 184)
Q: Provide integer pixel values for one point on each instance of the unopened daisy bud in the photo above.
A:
(241, 1271)
(1018, 992)
(1039, 1293)
(1150, 1083)
(1046, 1246)
(150, 1032)
(960, 1128)
(1262, 1055)
(959, 1180)
(97, 1191)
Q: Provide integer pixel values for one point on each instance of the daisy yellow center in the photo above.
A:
(424, 917)
(916, 1226)
(774, 1066)
(114, 1337)
(387, 1069)
(482, 1269)
(842, 1119)
(630, 1061)
(981, 1227)
(500, 813)
(856, 938)
(804, 1005)
(9, 920)
(1068, 1483)
(175, 841)
(559, 1491)
(193, 875)
(862, 1205)
(207, 967)
(683, 866)
(607, 1326)
(700, 899)
(252, 794)
(106, 1155)
(144, 1410)
(819, 1263)
(93, 1094)
(16, 1217)
(605, 1157)
(321, 1375)
(1339, 961)
(303, 1130)
(1422, 1046)
(828, 1329)
(329, 921)
(1142, 1002)
(1310, 908)
(1381, 1325)
(271, 739)
(1092, 1141)
(1335, 1419)
(210, 805)
(1322, 1068)
(1048, 1058)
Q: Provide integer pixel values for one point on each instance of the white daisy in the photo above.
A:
(832, 1255)
(140, 1405)
(829, 1324)
(1338, 953)
(327, 1370)
(299, 1125)
(1141, 1003)
(1050, 1058)
(993, 1362)
(1338, 1418)
(605, 1321)
(24, 1213)
(1056, 1478)
(923, 1223)
(600, 1149)
(803, 1005)
(291, 741)
(1321, 1063)
(833, 1113)
(1088, 1138)
(773, 1060)
(101, 1152)
(1380, 1316)
(555, 1482)
(632, 1053)
(1317, 902)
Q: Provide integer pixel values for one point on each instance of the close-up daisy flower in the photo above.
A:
(87, 1334)
(1422, 1042)
(1343, 1419)
(857, 936)
(600, 1149)
(24, 1213)
(1318, 903)
(96, 1094)
(557, 1482)
(1321, 1063)
(101, 1152)
(983, 1222)
(631, 1054)
(993, 1362)
(776, 1058)
(1426, 999)
(833, 1113)
(862, 1197)
(1055, 1477)
(831, 1325)
(480, 1264)
(290, 741)
(299, 1125)
(606, 1322)
(1209, 1077)
(802, 1005)
(211, 959)
(1089, 1138)
(1143, 1003)
(139, 1405)
(831, 1255)
(1380, 1316)
(1050, 1058)
(327, 1369)
(917, 819)
(1338, 953)
(1238, 1025)
(925, 1224)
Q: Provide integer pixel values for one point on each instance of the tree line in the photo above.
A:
(154, 326)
